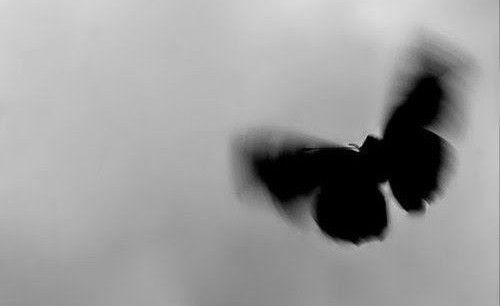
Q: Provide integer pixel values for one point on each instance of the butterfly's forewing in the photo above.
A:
(349, 206)
(287, 165)
(421, 105)
(290, 173)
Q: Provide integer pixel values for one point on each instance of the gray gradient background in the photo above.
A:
(115, 185)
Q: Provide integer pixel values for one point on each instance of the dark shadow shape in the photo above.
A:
(345, 181)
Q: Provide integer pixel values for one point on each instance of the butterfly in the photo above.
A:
(345, 181)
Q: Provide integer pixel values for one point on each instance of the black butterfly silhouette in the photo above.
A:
(345, 180)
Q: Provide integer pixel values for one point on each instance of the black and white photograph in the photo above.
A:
(249, 153)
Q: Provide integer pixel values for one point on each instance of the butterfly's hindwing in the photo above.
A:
(350, 207)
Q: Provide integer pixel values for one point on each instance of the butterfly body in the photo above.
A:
(373, 157)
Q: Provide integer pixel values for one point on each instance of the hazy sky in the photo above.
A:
(115, 121)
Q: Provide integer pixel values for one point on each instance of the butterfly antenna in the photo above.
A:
(355, 146)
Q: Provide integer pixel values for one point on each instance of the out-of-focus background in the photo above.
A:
(115, 123)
